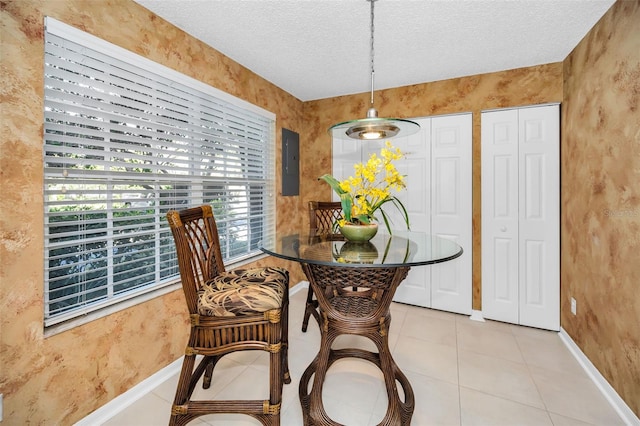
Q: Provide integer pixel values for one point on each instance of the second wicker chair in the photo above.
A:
(229, 311)
(322, 216)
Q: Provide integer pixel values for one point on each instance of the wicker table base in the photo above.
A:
(364, 313)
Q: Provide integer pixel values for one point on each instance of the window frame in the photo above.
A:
(94, 310)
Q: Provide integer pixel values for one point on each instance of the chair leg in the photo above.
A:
(285, 340)
(278, 365)
(184, 410)
(183, 392)
(276, 379)
(208, 372)
(311, 308)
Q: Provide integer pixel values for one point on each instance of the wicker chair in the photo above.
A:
(230, 311)
(322, 216)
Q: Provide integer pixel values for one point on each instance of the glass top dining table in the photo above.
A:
(354, 284)
(403, 248)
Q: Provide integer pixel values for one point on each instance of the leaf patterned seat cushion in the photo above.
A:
(243, 291)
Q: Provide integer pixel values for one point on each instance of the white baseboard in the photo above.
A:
(298, 287)
(121, 402)
(609, 392)
(476, 316)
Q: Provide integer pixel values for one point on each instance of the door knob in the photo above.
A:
(503, 229)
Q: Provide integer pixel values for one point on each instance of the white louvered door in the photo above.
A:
(520, 216)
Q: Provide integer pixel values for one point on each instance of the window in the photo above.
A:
(126, 140)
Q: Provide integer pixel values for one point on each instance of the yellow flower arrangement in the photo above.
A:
(364, 194)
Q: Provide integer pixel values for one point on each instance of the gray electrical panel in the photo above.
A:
(290, 162)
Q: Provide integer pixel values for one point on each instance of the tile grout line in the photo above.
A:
(535, 383)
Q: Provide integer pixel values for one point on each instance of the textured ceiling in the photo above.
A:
(320, 49)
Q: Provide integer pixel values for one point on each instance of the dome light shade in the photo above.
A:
(372, 127)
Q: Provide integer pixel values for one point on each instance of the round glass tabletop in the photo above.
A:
(403, 248)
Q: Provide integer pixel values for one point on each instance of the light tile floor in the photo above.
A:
(462, 372)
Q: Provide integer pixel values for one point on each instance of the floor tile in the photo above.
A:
(545, 349)
(292, 415)
(437, 329)
(574, 396)
(225, 374)
(351, 386)
(433, 313)
(251, 383)
(398, 315)
(462, 372)
(430, 359)
(481, 409)
(437, 401)
(498, 377)
(559, 420)
(167, 389)
(486, 324)
(488, 341)
(150, 410)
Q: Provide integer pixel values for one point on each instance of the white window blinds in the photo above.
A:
(126, 140)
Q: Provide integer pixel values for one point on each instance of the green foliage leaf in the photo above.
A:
(372, 194)
(333, 183)
(347, 203)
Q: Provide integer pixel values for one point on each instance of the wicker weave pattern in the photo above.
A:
(373, 278)
(322, 217)
(364, 312)
(354, 306)
(196, 236)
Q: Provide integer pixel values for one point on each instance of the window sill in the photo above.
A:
(133, 301)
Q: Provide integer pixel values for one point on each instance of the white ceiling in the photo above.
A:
(320, 49)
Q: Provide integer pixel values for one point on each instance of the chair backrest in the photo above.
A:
(323, 214)
(198, 249)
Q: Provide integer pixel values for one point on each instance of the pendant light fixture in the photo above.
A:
(372, 127)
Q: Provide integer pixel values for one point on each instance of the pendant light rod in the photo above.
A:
(372, 127)
(371, 88)
(372, 51)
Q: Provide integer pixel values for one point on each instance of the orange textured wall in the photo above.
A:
(60, 379)
(600, 196)
(512, 88)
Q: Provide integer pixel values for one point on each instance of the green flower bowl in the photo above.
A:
(359, 233)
